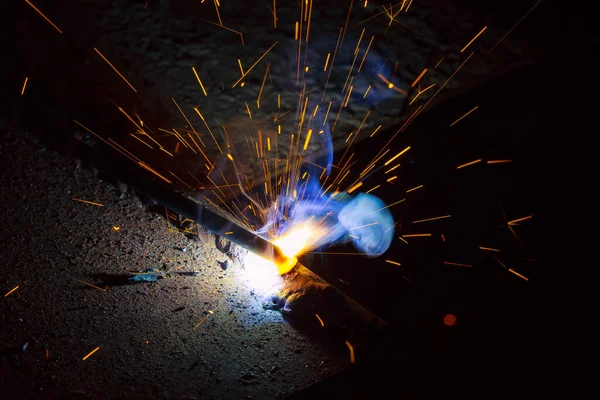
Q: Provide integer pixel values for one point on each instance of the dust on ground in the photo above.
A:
(199, 332)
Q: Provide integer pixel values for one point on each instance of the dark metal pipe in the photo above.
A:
(162, 193)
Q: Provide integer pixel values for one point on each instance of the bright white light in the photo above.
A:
(294, 242)
(261, 274)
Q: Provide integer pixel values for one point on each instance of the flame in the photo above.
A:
(265, 275)
(294, 242)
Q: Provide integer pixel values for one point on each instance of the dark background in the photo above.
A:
(495, 347)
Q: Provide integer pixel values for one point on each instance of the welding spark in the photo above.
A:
(488, 249)
(469, 163)
(89, 284)
(472, 40)
(11, 291)
(430, 219)
(457, 264)
(90, 353)
(115, 69)
(88, 202)
(320, 320)
(43, 16)
(24, 84)
(351, 349)
(415, 188)
(468, 112)
(517, 274)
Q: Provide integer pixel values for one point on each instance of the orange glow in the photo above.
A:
(353, 188)
(457, 264)
(43, 16)
(24, 85)
(115, 69)
(449, 320)
(349, 345)
(419, 77)
(199, 81)
(467, 164)
(13, 289)
(415, 188)
(92, 352)
(464, 115)
(472, 40)
(87, 202)
(518, 274)
(295, 241)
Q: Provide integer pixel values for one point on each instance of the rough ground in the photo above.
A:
(51, 244)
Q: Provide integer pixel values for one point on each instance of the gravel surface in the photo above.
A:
(200, 331)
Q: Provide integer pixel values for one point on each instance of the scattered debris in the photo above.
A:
(225, 264)
(222, 244)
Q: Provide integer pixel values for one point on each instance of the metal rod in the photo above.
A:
(162, 193)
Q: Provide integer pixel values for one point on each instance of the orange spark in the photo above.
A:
(254, 65)
(449, 320)
(90, 285)
(146, 144)
(431, 219)
(514, 221)
(375, 131)
(370, 190)
(12, 290)
(199, 81)
(116, 228)
(488, 249)
(347, 342)
(365, 55)
(458, 264)
(498, 161)
(469, 163)
(116, 70)
(307, 139)
(143, 165)
(417, 235)
(392, 178)
(91, 352)
(88, 202)
(419, 77)
(367, 91)
(320, 320)
(397, 155)
(43, 16)
(391, 169)
(393, 204)
(353, 188)
(392, 262)
(518, 274)
(468, 112)
(472, 40)
(415, 188)
(24, 84)
(511, 29)
(439, 62)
